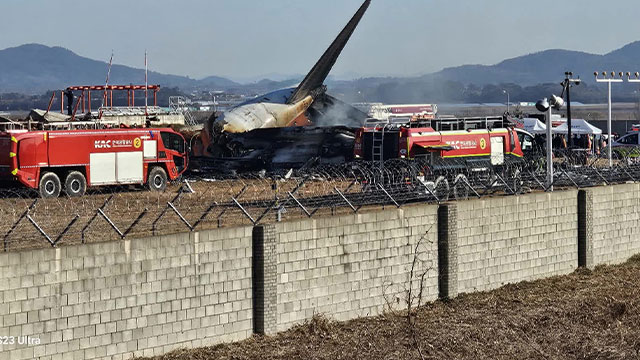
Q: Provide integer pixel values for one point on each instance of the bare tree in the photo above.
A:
(413, 290)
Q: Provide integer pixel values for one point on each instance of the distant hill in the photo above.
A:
(217, 81)
(545, 66)
(527, 78)
(35, 68)
(533, 69)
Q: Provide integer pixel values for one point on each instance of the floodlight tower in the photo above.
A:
(637, 78)
(609, 80)
(545, 105)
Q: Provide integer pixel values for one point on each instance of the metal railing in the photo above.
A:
(179, 105)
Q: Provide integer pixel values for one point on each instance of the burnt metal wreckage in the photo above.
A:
(329, 140)
(278, 148)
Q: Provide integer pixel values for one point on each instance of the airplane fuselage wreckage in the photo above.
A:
(249, 132)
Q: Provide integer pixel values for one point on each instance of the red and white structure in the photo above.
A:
(414, 111)
(84, 103)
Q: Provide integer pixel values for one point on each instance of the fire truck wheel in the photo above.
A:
(75, 184)
(157, 180)
(49, 185)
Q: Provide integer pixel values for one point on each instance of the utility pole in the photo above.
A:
(566, 86)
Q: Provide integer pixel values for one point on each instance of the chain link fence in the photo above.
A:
(206, 202)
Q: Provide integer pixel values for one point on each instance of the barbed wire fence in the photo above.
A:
(206, 202)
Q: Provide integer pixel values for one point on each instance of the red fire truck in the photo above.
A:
(72, 160)
(442, 141)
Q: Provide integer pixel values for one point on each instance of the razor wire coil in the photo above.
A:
(204, 201)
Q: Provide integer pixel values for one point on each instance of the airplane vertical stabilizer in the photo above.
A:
(320, 71)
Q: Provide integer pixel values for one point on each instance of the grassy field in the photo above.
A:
(584, 315)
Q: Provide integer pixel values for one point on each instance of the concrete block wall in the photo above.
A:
(354, 265)
(119, 299)
(149, 296)
(615, 222)
(510, 239)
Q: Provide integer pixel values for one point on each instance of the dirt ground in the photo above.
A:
(585, 315)
(127, 204)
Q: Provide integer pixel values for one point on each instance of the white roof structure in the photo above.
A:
(578, 127)
(534, 126)
(51, 116)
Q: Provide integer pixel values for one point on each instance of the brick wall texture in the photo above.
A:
(119, 299)
(351, 266)
(616, 223)
(509, 239)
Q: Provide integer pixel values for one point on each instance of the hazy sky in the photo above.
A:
(246, 38)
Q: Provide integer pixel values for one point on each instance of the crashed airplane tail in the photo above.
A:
(320, 71)
(286, 107)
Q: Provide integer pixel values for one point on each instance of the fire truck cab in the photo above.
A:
(73, 160)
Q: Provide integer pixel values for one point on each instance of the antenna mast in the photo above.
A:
(106, 83)
(146, 84)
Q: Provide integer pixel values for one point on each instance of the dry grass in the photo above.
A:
(584, 315)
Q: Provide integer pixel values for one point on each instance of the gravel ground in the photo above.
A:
(584, 315)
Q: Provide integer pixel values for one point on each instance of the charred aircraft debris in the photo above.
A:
(288, 127)
(274, 149)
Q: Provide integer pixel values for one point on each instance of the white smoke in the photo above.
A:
(339, 114)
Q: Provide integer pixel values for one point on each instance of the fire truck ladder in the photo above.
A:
(179, 105)
(377, 153)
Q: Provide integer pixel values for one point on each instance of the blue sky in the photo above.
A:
(242, 39)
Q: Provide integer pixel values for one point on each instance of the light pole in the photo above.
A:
(636, 80)
(545, 105)
(610, 80)
(566, 86)
(504, 91)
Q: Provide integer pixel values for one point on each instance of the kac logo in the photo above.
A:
(102, 144)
